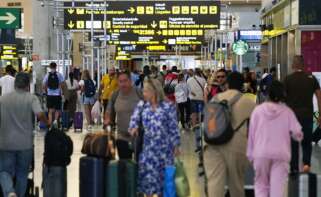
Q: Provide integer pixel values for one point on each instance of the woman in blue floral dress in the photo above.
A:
(161, 137)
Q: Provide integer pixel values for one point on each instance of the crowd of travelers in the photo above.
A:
(271, 120)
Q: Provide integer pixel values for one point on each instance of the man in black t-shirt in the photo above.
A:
(300, 88)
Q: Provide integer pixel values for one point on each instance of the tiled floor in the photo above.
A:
(188, 157)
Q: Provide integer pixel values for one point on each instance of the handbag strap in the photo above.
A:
(199, 84)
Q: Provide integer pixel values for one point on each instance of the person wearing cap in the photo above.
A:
(108, 85)
(16, 135)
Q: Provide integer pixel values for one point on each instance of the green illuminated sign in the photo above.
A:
(240, 47)
(10, 18)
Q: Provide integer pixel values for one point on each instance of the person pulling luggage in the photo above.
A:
(119, 109)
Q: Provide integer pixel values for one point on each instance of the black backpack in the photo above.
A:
(53, 81)
(169, 88)
(90, 88)
(58, 148)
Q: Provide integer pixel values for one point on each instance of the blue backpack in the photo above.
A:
(90, 88)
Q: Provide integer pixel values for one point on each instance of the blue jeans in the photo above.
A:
(15, 164)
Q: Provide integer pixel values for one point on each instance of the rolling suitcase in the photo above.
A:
(304, 185)
(91, 183)
(54, 181)
(121, 179)
(65, 121)
(78, 121)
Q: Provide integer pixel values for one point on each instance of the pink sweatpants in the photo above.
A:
(270, 177)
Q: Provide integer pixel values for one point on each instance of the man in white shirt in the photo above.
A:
(196, 86)
(7, 81)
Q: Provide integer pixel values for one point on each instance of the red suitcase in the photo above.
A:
(78, 121)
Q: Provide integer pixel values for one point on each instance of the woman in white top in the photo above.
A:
(181, 96)
(71, 97)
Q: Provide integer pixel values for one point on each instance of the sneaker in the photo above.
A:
(12, 194)
(89, 127)
(306, 168)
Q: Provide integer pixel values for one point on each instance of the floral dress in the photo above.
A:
(160, 138)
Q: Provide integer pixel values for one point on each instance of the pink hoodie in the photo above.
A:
(271, 128)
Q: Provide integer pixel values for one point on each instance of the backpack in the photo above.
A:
(90, 88)
(53, 81)
(218, 128)
(58, 148)
(169, 88)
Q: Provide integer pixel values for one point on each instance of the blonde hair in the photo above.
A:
(155, 86)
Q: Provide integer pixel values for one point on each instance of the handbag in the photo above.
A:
(100, 144)
(181, 180)
(95, 112)
(169, 182)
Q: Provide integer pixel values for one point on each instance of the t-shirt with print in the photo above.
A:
(16, 121)
(124, 107)
(300, 88)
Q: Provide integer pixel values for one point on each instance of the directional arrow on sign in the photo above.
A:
(159, 32)
(131, 10)
(71, 11)
(71, 25)
(164, 41)
(154, 24)
(10, 18)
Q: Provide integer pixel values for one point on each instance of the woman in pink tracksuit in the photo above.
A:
(269, 145)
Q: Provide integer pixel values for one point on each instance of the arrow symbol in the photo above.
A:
(165, 41)
(71, 25)
(71, 11)
(10, 18)
(154, 24)
(131, 10)
(159, 33)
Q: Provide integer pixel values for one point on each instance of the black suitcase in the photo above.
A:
(91, 183)
(304, 185)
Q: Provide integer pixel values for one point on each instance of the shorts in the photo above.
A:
(197, 106)
(54, 102)
(89, 100)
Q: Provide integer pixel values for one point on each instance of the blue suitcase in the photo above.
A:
(91, 183)
(65, 121)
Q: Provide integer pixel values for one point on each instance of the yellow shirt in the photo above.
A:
(110, 84)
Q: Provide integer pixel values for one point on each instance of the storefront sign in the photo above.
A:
(240, 47)
(250, 35)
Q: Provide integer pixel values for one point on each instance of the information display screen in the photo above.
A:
(145, 22)
(8, 52)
